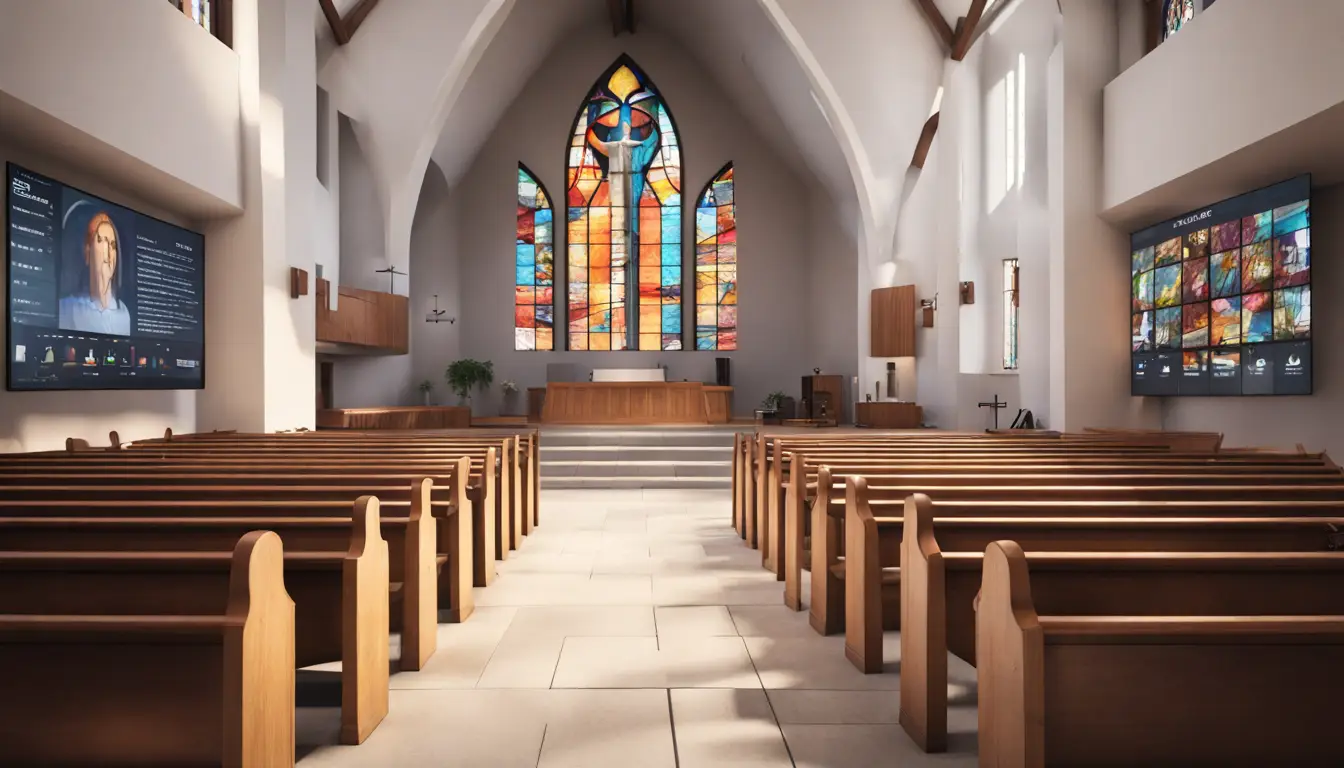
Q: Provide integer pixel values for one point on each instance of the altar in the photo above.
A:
(635, 403)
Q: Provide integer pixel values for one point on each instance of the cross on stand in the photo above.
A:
(997, 406)
(391, 273)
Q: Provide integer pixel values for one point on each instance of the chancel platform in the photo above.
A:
(636, 402)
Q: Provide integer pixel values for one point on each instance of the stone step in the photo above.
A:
(599, 469)
(618, 438)
(707, 483)
(722, 453)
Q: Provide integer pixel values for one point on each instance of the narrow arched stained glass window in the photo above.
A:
(716, 265)
(1175, 13)
(534, 284)
(624, 217)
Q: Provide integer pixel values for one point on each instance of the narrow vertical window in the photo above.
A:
(1011, 301)
(534, 262)
(716, 265)
(1175, 15)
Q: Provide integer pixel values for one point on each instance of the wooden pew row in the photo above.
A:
(1154, 672)
(214, 688)
(798, 514)
(935, 619)
(775, 472)
(508, 490)
(866, 526)
(478, 527)
(521, 447)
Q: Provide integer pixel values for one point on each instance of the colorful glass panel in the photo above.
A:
(1175, 15)
(534, 262)
(623, 197)
(716, 265)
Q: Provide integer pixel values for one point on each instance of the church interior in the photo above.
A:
(878, 485)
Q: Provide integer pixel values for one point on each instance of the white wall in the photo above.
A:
(773, 216)
(39, 421)
(362, 232)
(134, 77)
(1288, 61)
(1316, 421)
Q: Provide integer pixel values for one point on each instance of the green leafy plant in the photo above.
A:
(773, 401)
(465, 375)
(426, 386)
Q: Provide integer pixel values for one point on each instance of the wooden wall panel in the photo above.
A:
(719, 404)
(625, 403)
(364, 318)
(891, 315)
(410, 417)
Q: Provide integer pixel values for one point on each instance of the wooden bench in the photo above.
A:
(1122, 687)
(477, 528)
(215, 688)
(927, 617)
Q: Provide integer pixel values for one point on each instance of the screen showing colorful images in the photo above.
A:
(1220, 299)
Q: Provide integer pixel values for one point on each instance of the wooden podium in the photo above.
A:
(636, 402)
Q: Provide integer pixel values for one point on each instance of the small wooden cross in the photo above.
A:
(997, 406)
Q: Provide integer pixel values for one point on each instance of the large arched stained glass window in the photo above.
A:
(534, 285)
(716, 264)
(624, 217)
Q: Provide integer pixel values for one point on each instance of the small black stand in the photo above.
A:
(997, 406)
(391, 273)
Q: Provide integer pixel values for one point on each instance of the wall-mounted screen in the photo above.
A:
(100, 296)
(1220, 298)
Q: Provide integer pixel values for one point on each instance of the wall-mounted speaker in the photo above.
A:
(721, 371)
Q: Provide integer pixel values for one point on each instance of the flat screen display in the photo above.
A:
(100, 296)
(1220, 298)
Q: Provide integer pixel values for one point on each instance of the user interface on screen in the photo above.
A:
(1220, 301)
(100, 297)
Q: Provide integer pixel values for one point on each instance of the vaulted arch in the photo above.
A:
(623, 217)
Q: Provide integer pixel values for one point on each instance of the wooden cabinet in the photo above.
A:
(886, 415)
(380, 321)
(891, 316)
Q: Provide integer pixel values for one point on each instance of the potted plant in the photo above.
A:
(426, 390)
(510, 398)
(770, 407)
(465, 375)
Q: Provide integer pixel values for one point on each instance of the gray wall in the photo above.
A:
(1317, 421)
(786, 285)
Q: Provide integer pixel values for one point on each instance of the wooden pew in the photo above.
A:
(923, 596)
(799, 515)
(1132, 497)
(1160, 689)
(214, 688)
(478, 527)
(435, 580)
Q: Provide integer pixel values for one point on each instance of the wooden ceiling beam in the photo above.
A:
(941, 28)
(616, 8)
(966, 27)
(630, 16)
(334, 21)
(357, 16)
(925, 141)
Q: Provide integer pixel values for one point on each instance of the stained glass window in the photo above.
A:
(1010, 305)
(716, 265)
(624, 217)
(1175, 13)
(533, 301)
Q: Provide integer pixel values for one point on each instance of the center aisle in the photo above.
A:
(634, 628)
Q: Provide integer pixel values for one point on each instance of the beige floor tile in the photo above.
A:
(627, 563)
(597, 729)
(522, 661)
(717, 727)
(771, 621)
(815, 663)
(463, 653)
(531, 561)
(430, 729)
(687, 590)
(863, 746)
(836, 707)
(639, 662)
(528, 589)
(694, 621)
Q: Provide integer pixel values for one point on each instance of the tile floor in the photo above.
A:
(635, 629)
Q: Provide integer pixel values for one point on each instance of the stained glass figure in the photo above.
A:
(623, 197)
(716, 265)
(534, 284)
